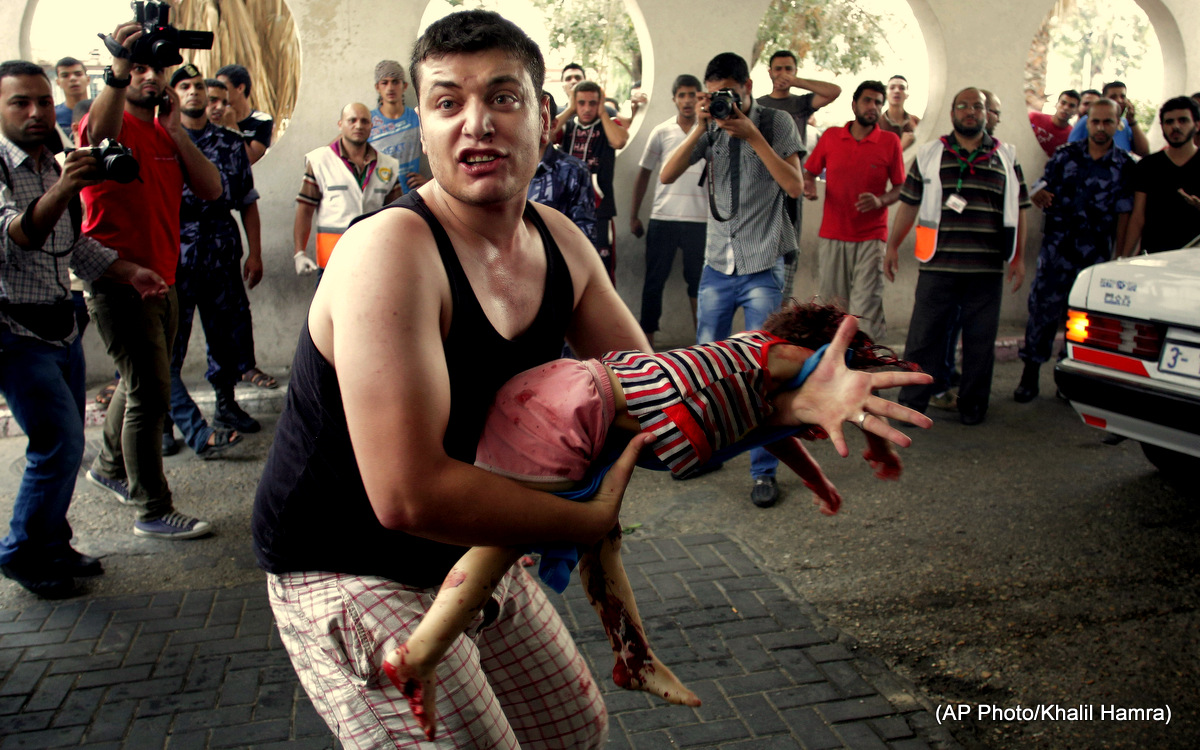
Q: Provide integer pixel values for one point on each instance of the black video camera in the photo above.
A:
(722, 104)
(160, 42)
(115, 162)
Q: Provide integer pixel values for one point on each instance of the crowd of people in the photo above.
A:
(489, 284)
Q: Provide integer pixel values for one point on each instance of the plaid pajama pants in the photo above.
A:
(518, 681)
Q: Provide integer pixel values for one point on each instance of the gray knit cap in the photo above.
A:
(389, 69)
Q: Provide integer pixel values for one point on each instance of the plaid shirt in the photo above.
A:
(38, 276)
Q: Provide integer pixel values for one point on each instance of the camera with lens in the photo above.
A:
(160, 42)
(115, 162)
(722, 104)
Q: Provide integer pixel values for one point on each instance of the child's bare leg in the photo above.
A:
(467, 587)
(793, 453)
(608, 589)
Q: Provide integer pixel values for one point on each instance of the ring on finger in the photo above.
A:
(862, 417)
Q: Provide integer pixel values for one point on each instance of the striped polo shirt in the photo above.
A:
(976, 240)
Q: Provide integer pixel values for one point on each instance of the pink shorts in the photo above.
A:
(548, 424)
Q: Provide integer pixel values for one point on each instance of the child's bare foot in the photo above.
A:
(638, 669)
(417, 683)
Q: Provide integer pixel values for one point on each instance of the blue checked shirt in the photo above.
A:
(38, 276)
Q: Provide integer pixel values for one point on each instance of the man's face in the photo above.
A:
(969, 113)
(147, 85)
(993, 113)
(193, 97)
(28, 109)
(355, 125)
(73, 80)
(1117, 94)
(1177, 125)
(1102, 125)
(236, 95)
(570, 77)
(587, 106)
(897, 91)
(1086, 103)
(867, 107)
(218, 102)
(781, 71)
(482, 125)
(741, 89)
(1065, 108)
(685, 102)
(391, 90)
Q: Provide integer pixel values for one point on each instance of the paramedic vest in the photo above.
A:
(342, 200)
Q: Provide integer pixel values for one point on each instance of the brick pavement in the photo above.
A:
(205, 669)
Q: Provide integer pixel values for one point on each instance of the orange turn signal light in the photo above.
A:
(1077, 325)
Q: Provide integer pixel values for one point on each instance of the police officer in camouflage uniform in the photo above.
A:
(1087, 197)
(210, 276)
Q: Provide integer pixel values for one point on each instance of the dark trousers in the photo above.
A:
(938, 294)
(663, 238)
(219, 294)
(1059, 262)
(138, 334)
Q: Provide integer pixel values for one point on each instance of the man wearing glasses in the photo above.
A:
(970, 227)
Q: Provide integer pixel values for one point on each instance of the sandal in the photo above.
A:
(104, 397)
(222, 440)
(259, 378)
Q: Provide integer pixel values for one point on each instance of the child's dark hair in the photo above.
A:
(812, 326)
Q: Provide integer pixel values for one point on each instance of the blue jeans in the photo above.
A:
(759, 295)
(44, 387)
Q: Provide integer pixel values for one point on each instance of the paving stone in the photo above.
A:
(914, 743)
(748, 604)
(656, 718)
(149, 732)
(29, 626)
(786, 639)
(249, 734)
(11, 704)
(50, 693)
(25, 722)
(60, 650)
(666, 586)
(214, 717)
(652, 741)
(827, 652)
(239, 644)
(196, 740)
(715, 705)
(755, 683)
(707, 594)
(778, 742)
(39, 638)
(758, 713)
(175, 703)
(310, 743)
(114, 603)
(809, 729)
(114, 676)
(175, 660)
(748, 626)
(694, 540)
(146, 648)
(158, 686)
(891, 727)
(852, 710)
(91, 624)
(750, 654)
(50, 738)
(167, 599)
(200, 635)
(308, 722)
(706, 616)
(174, 625)
(226, 612)
(75, 665)
(668, 566)
(116, 637)
(79, 707)
(693, 735)
(239, 687)
(859, 736)
(206, 674)
(621, 701)
(23, 678)
(670, 549)
(112, 721)
(145, 613)
(803, 695)
(274, 701)
(8, 615)
(748, 583)
(196, 603)
(847, 679)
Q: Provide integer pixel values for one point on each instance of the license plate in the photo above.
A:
(1180, 359)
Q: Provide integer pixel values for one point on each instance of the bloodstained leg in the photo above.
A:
(608, 590)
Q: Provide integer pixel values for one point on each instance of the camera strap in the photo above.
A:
(734, 179)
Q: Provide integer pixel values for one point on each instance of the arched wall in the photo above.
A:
(969, 43)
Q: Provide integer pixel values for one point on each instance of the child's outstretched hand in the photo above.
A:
(882, 457)
(419, 686)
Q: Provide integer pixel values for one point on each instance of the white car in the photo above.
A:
(1133, 354)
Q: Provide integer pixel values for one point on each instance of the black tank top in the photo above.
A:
(311, 510)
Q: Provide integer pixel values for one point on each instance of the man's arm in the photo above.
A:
(301, 228)
(616, 133)
(906, 216)
(255, 150)
(1139, 143)
(560, 122)
(146, 282)
(1016, 268)
(784, 170)
(31, 227)
(1133, 230)
(385, 311)
(1122, 230)
(639, 192)
(108, 109)
(823, 91)
(252, 270)
(681, 158)
(199, 173)
(396, 191)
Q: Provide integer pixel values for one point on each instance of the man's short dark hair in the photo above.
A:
(477, 31)
(687, 79)
(875, 86)
(215, 83)
(1112, 85)
(81, 109)
(572, 66)
(583, 86)
(727, 65)
(1196, 96)
(1070, 94)
(782, 53)
(902, 78)
(66, 62)
(21, 68)
(1180, 102)
(237, 75)
(1089, 91)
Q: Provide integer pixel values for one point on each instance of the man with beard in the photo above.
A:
(1129, 133)
(1166, 185)
(210, 278)
(140, 220)
(342, 181)
(970, 216)
(1087, 197)
(859, 160)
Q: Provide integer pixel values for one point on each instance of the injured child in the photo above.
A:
(559, 427)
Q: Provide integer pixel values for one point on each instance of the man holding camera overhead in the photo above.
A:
(140, 220)
(41, 364)
(753, 166)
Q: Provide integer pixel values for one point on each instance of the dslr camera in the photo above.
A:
(115, 162)
(160, 42)
(722, 104)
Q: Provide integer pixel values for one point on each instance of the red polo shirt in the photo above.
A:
(851, 168)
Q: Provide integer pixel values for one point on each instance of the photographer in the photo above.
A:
(41, 358)
(753, 167)
(140, 220)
